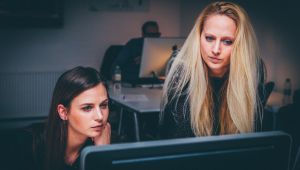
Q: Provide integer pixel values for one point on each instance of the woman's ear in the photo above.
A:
(62, 111)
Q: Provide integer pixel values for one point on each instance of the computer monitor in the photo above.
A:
(252, 151)
(155, 55)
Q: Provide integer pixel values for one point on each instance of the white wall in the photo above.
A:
(84, 37)
(82, 41)
(87, 34)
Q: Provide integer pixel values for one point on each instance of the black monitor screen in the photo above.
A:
(253, 151)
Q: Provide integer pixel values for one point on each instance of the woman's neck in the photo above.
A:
(74, 144)
(221, 75)
(218, 73)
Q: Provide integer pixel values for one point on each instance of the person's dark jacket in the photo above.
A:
(174, 124)
(129, 59)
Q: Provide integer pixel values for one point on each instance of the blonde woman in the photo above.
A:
(213, 84)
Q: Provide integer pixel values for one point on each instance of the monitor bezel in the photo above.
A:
(140, 151)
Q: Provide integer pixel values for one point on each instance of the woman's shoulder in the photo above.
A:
(38, 144)
(35, 134)
(28, 147)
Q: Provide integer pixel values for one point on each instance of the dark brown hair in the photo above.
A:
(69, 85)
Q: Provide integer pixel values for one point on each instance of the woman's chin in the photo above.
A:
(95, 134)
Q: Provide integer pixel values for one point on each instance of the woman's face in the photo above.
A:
(88, 113)
(216, 41)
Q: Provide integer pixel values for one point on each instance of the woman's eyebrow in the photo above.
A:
(86, 104)
(228, 37)
(209, 34)
(105, 100)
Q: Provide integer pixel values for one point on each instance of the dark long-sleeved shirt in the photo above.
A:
(129, 59)
(175, 124)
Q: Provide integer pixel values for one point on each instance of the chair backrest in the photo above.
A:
(110, 55)
(297, 161)
(287, 120)
(269, 86)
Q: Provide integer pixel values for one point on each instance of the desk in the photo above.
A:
(137, 101)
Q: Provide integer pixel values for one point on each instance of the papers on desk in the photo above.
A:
(135, 98)
(151, 85)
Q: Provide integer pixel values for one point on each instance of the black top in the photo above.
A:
(174, 124)
(129, 59)
(30, 151)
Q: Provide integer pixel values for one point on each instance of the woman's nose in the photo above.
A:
(99, 115)
(216, 48)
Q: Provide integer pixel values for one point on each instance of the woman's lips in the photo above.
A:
(214, 60)
(98, 127)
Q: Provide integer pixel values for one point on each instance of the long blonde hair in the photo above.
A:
(240, 100)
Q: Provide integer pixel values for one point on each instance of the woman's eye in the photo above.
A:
(87, 108)
(104, 106)
(209, 38)
(227, 42)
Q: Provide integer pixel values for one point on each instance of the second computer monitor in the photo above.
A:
(252, 151)
(156, 53)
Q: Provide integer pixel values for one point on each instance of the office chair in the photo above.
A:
(269, 86)
(287, 119)
(297, 161)
(268, 118)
